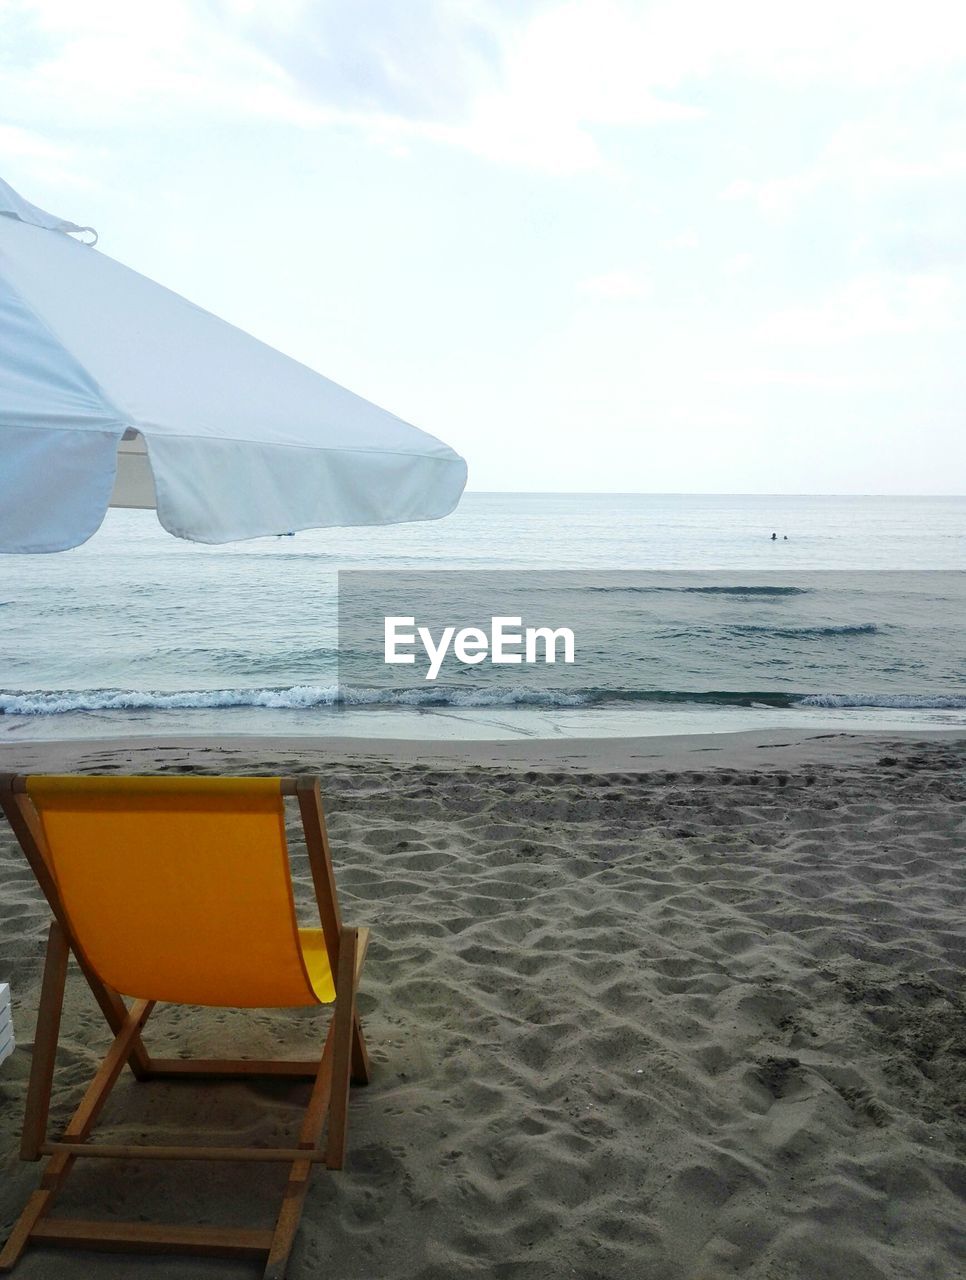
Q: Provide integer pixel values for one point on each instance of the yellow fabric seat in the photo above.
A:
(179, 889)
(312, 942)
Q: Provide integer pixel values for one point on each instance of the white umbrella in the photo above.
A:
(115, 391)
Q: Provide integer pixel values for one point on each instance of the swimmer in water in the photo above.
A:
(774, 537)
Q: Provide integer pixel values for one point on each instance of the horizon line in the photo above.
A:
(697, 493)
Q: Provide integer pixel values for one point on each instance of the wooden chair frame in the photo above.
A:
(343, 1059)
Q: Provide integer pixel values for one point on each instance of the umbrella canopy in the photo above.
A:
(114, 391)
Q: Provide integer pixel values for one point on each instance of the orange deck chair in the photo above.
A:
(179, 889)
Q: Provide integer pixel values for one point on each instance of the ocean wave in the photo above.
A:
(764, 590)
(804, 633)
(308, 697)
(746, 591)
(898, 701)
(43, 703)
(295, 698)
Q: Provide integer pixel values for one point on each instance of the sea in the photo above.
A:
(860, 598)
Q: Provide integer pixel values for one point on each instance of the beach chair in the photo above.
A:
(178, 889)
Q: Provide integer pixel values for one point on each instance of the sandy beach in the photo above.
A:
(669, 1008)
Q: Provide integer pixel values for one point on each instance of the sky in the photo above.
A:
(615, 245)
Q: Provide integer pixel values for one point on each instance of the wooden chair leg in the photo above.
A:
(93, 1100)
(81, 1123)
(115, 1011)
(45, 1044)
(20, 1235)
(297, 1187)
(343, 1021)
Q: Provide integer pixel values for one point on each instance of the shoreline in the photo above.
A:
(748, 749)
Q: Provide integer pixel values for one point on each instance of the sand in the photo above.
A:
(645, 1009)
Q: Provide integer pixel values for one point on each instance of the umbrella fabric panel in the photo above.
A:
(55, 484)
(58, 436)
(41, 383)
(175, 369)
(202, 493)
(175, 373)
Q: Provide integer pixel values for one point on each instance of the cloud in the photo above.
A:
(19, 142)
(528, 83)
(741, 377)
(540, 84)
(904, 143)
(43, 157)
(925, 250)
(870, 306)
(516, 84)
(737, 264)
(425, 60)
(108, 64)
(775, 197)
(616, 286)
(854, 42)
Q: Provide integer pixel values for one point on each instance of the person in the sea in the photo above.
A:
(774, 537)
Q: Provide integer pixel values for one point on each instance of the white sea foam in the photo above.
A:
(924, 701)
(298, 697)
(306, 697)
(40, 703)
